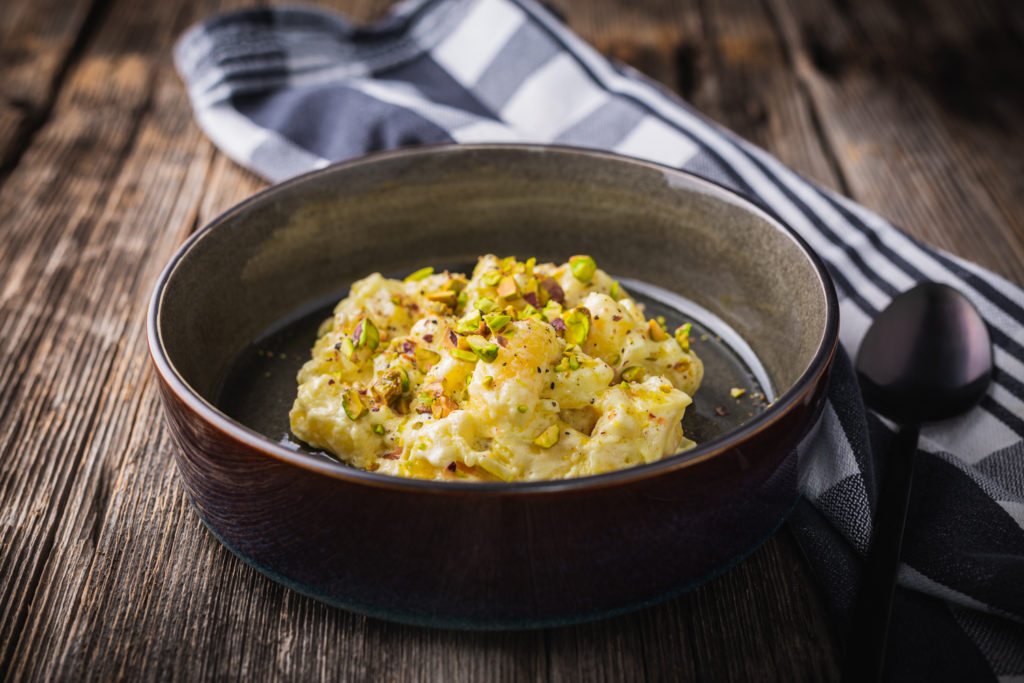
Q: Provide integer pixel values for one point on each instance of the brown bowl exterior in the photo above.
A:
(493, 555)
(505, 559)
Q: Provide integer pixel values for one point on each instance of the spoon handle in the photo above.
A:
(865, 655)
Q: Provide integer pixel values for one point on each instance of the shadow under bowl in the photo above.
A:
(490, 555)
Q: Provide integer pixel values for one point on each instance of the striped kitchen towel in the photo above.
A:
(284, 91)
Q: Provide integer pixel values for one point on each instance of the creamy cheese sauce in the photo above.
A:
(522, 371)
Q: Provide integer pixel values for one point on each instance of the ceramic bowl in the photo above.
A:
(488, 555)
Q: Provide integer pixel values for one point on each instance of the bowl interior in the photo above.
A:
(299, 245)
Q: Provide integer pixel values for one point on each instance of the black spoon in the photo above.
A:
(926, 357)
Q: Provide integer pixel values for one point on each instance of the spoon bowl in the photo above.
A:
(926, 357)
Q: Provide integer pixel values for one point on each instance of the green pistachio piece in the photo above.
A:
(521, 408)
(496, 322)
(736, 392)
(469, 323)
(531, 263)
(348, 348)
(552, 310)
(388, 386)
(352, 404)
(487, 351)
(616, 290)
(574, 363)
(507, 288)
(420, 274)
(491, 278)
(583, 268)
(683, 337)
(463, 355)
(657, 332)
(403, 377)
(633, 373)
(548, 438)
(366, 334)
(577, 325)
(487, 381)
(484, 305)
(425, 358)
(447, 297)
(378, 429)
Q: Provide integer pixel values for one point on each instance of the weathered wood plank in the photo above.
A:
(37, 42)
(71, 269)
(923, 108)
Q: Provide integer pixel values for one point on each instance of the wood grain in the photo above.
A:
(106, 572)
(921, 108)
(38, 42)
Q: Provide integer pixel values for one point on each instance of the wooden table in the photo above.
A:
(914, 109)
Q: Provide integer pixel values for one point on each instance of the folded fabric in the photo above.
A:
(284, 91)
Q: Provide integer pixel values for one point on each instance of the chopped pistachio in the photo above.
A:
(683, 337)
(531, 263)
(491, 278)
(444, 296)
(425, 358)
(484, 305)
(366, 334)
(633, 373)
(583, 268)
(388, 386)
(548, 438)
(521, 408)
(378, 429)
(352, 404)
(348, 348)
(461, 299)
(616, 290)
(507, 288)
(463, 355)
(562, 365)
(420, 274)
(469, 323)
(658, 333)
(487, 351)
(552, 310)
(457, 282)
(736, 392)
(577, 325)
(487, 381)
(496, 322)
(403, 377)
(443, 407)
(574, 363)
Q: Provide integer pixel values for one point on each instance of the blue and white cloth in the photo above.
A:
(285, 91)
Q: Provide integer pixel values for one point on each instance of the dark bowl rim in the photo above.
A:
(213, 417)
